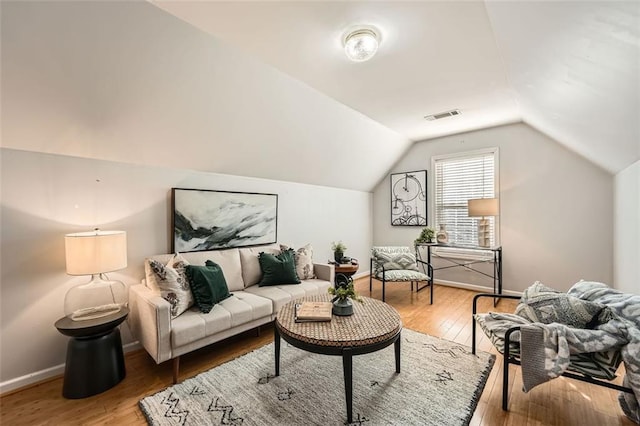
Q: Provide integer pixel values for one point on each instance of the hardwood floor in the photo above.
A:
(561, 402)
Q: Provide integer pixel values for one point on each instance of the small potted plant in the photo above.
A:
(338, 250)
(426, 236)
(342, 305)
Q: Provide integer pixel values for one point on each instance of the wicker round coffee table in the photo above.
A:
(374, 325)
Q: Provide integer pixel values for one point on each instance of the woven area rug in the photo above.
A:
(439, 384)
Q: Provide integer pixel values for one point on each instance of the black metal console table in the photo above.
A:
(496, 259)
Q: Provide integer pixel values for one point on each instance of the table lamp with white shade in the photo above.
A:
(95, 253)
(483, 207)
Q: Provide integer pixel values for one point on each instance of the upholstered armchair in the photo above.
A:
(399, 264)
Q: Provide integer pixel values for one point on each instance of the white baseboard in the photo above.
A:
(473, 287)
(48, 373)
(360, 275)
(31, 378)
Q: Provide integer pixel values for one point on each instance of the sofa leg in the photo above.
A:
(176, 369)
(383, 290)
(258, 331)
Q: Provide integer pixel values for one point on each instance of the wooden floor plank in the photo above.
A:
(561, 402)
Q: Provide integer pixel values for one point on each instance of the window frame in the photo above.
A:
(461, 253)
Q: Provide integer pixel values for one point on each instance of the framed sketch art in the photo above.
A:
(409, 198)
(209, 220)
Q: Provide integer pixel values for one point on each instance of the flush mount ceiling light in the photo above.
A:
(361, 44)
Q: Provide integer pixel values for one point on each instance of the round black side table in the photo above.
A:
(95, 361)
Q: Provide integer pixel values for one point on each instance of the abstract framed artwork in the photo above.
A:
(210, 220)
(409, 198)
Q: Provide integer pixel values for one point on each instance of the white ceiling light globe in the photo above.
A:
(360, 45)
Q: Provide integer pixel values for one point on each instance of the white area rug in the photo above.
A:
(439, 384)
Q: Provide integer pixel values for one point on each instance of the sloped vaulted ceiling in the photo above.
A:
(570, 69)
(575, 71)
(128, 82)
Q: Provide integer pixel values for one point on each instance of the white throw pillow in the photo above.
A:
(304, 261)
(172, 283)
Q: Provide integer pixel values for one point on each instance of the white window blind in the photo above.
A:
(458, 179)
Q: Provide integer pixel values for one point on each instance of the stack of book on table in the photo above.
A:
(313, 311)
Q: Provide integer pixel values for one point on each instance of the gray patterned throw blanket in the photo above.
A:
(557, 327)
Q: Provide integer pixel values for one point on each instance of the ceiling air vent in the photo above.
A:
(440, 115)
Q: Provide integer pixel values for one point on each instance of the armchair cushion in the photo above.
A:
(402, 275)
(601, 365)
(393, 258)
(542, 304)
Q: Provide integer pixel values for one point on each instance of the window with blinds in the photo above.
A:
(457, 179)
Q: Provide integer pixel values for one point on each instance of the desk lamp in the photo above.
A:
(95, 253)
(483, 207)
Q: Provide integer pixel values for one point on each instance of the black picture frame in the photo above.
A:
(409, 198)
(205, 219)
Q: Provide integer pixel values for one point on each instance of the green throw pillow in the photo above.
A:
(207, 285)
(278, 269)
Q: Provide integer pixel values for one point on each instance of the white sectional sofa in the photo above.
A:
(249, 306)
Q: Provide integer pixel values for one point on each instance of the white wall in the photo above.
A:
(135, 101)
(126, 81)
(626, 272)
(45, 196)
(556, 208)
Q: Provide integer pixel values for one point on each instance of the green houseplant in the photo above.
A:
(341, 301)
(338, 250)
(426, 236)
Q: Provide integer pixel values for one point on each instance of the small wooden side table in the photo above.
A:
(95, 361)
(344, 273)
